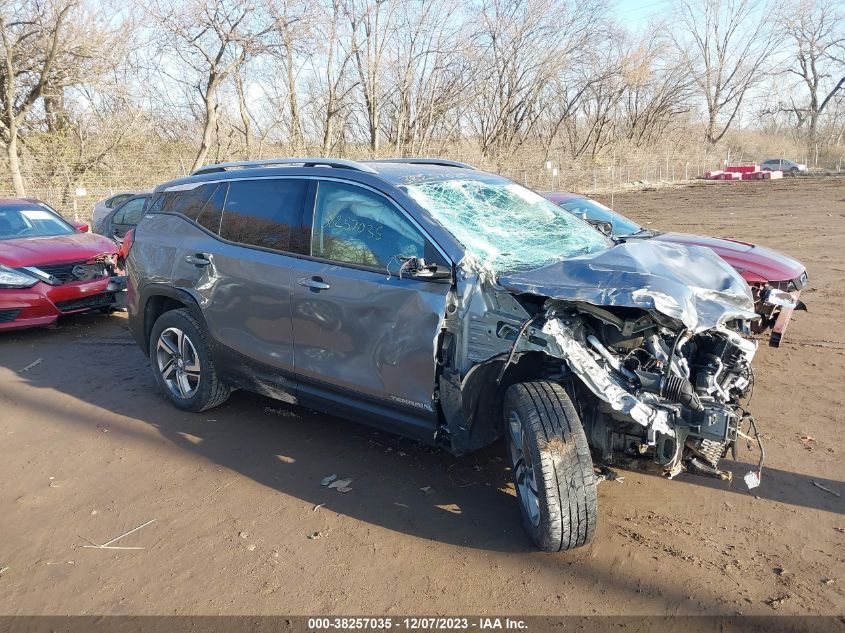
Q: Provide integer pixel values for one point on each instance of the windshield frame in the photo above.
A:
(38, 206)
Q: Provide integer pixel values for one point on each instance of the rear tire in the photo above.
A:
(181, 361)
(552, 467)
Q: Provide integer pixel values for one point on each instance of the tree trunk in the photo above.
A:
(374, 127)
(208, 130)
(239, 85)
(327, 133)
(55, 112)
(14, 161)
(710, 134)
(295, 124)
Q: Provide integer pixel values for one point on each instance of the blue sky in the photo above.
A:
(635, 13)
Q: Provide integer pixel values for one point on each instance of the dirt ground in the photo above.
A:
(90, 450)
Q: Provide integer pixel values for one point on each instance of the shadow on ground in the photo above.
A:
(288, 449)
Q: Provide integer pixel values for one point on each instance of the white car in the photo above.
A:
(783, 164)
(105, 206)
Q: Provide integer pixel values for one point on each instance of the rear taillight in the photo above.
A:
(125, 246)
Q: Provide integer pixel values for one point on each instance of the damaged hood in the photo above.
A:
(74, 247)
(688, 283)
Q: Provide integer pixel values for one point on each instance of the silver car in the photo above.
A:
(105, 206)
(452, 306)
(784, 165)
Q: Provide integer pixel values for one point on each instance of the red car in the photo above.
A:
(775, 279)
(50, 267)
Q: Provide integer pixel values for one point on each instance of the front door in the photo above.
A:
(363, 336)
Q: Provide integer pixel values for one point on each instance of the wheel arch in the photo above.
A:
(158, 299)
(482, 398)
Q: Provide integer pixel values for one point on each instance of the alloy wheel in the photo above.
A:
(523, 469)
(178, 363)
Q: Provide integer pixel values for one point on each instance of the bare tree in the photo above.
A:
(292, 41)
(657, 90)
(93, 128)
(429, 76)
(372, 25)
(524, 45)
(89, 108)
(817, 33)
(243, 110)
(724, 45)
(331, 81)
(596, 105)
(34, 45)
(211, 39)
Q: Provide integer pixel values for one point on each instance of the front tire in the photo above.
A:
(181, 360)
(552, 467)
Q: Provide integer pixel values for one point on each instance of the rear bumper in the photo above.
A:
(42, 304)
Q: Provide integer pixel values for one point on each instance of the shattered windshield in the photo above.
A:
(504, 225)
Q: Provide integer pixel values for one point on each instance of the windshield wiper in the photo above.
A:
(640, 231)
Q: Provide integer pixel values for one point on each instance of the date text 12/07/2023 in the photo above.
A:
(417, 623)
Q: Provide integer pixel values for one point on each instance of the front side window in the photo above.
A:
(503, 225)
(29, 222)
(202, 203)
(266, 213)
(357, 226)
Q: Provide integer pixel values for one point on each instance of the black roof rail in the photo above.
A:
(441, 162)
(269, 162)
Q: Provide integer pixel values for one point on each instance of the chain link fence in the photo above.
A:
(621, 170)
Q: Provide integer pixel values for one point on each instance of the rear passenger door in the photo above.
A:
(239, 261)
(364, 338)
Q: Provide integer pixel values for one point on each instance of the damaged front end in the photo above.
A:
(70, 275)
(648, 341)
(646, 389)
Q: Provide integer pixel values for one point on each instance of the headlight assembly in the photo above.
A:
(11, 278)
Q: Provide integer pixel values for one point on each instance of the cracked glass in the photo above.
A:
(506, 226)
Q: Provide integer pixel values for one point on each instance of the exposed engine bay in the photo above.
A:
(656, 361)
(645, 389)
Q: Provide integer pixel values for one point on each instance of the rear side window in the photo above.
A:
(118, 200)
(202, 204)
(266, 213)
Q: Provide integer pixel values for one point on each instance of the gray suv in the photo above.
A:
(449, 305)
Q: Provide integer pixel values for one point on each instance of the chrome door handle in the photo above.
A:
(197, 260)
(314, 283)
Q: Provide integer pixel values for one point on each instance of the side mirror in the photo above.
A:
(431, 272)
(79, 226)
(417, 268)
